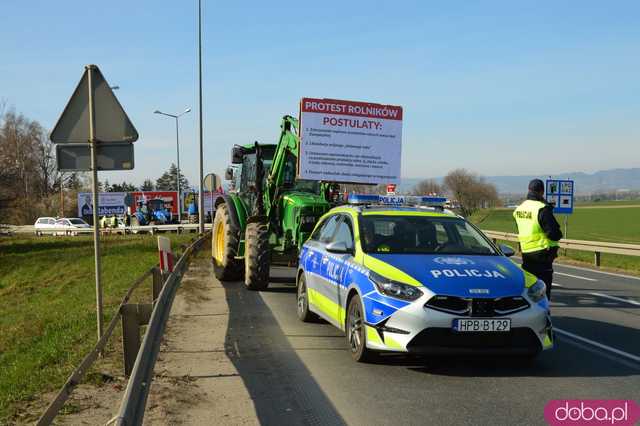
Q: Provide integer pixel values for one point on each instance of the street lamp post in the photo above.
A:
(176, 116)
(201, 166)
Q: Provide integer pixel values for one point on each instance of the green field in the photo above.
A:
(613, 203)
(47, 314)
(620, 225)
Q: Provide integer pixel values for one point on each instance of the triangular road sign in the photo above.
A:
(111, 122)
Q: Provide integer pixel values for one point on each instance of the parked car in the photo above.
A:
(44, 223)
(69, 226)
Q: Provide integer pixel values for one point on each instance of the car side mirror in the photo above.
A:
(506, 250)
(338, 247)
(228, 174)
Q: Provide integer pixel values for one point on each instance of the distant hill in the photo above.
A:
(601, 181)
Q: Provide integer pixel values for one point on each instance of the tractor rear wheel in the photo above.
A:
(256, 256)
(224, 246)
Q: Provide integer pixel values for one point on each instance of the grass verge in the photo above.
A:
(47, 314)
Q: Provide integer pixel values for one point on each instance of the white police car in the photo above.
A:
(418, 279)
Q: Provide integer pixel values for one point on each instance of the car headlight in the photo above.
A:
(394, 288)
(537, 292)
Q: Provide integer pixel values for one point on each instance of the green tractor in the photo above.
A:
(269, 213)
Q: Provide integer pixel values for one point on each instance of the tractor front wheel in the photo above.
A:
(224, 246)
(256, 256)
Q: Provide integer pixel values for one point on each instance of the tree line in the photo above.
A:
(168, 181)
(31, 185)
(467, 191)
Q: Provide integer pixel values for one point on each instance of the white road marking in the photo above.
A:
(599, 345)
(597, 271)
(617, 299)
(575, 276)
(631, 277)
(606, 296)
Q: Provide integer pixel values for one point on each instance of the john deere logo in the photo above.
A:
(453, 261)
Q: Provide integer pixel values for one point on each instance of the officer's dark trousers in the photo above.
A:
(540, 264)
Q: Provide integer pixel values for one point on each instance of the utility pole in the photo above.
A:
(201, 168)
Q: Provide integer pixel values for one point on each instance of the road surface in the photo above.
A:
(297, 373)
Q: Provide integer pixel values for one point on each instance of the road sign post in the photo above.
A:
(94, 117)
(560, 193)
(96, 221)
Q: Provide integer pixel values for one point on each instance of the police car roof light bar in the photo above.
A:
(397, 200)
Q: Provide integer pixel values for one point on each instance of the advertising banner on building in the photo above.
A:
(170, 199)
(109, 203)
(346, 141)
(192, 197)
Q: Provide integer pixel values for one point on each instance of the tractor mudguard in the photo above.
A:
(233, 211)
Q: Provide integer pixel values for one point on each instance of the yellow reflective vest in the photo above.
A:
(532, 237)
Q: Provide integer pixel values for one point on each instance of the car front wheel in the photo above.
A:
(356, 332)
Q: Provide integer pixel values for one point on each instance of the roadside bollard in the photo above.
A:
(133, 316)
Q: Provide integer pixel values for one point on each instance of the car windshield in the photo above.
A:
(312, 186)
(77, 221)
(421, 235)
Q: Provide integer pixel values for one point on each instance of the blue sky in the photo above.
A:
(500, 87)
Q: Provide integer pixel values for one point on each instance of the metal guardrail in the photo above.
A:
(76, 376)
(597, 247)
(157, 290)
(5, 229)
(152, 229)
(134, 401)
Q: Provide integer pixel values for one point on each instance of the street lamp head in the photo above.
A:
(187, 110)
(115, 87)
(157, 112)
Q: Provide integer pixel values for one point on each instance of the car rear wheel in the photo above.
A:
(304, 314)
(356, 332)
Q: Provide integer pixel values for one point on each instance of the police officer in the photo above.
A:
(539, 233)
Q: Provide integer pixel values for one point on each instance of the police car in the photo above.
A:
(403, 274)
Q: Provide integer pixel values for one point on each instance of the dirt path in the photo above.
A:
(195, 382)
